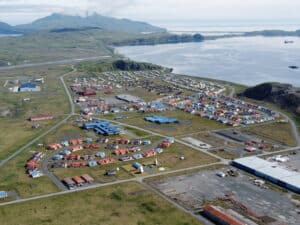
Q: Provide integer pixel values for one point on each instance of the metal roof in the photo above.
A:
(28, 85)
(271, 169)
(129, 98)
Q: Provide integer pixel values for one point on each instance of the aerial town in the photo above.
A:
(154, 127)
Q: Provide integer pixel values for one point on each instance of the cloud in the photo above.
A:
(17, 11)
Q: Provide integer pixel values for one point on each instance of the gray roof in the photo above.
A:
(271, 169)
(129, 98)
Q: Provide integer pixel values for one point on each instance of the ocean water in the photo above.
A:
(245, 60)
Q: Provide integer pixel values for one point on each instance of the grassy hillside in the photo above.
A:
(112, 65)
(61, 44)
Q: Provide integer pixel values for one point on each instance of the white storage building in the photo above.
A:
(270, 171)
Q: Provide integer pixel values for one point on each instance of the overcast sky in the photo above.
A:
(155, 11)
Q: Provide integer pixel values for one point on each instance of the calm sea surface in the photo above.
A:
(249, 60)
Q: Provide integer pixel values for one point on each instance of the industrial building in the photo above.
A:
(160, 119)
(219, 217)
(102, 127)
(29, 87)
(41, 117)
(270, 171)
(129, 98)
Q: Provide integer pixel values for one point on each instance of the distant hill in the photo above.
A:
(284, 95)
(60, 21)
(273, 33)
(7, 29)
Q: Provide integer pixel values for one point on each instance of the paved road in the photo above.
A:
(4, 161)
(72, 106)
(137, 179)
(59, 62)
(280, 151)
(294, 129)
(51, 176)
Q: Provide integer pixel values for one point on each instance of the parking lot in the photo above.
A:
(194, 190)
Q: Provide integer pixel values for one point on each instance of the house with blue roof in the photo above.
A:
(92, 163)
(65, 143)
(137, 156)
(3, 194)
(100, 154)
(28, 87)
(57, 157)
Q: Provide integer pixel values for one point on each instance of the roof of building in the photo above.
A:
(3, 194)
(271, 169)
(161, 119)
(222, 215)
(129, 98)
(28, 85)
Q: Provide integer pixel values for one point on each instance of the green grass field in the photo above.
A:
(278, 132)
(51, 100)
(188, 123)
(127, 203)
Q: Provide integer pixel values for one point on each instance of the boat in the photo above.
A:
(288, 42)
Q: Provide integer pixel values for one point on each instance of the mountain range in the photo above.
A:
(60, 21)
(7, 29)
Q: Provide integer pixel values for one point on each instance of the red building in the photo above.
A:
(87, 93)
(106, 161)
(220, 217)
(121, 151)
(91, 146)
(149, 153)
(72, 157)
(77, 141)
(122, 141)
(75, 148)
(41, 117)
(54, 146)
(77, 164)
(165, 144)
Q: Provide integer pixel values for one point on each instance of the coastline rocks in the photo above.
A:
(284, 95)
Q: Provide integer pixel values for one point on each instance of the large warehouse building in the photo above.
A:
(270, 171)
